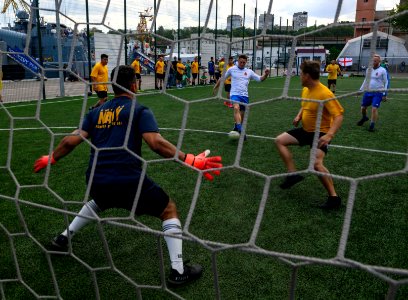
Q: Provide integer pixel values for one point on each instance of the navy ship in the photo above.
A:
(16, 65)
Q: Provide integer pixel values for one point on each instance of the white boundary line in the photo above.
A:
(225, 133)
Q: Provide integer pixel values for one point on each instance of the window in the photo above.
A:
(365, 1)
(363, 19)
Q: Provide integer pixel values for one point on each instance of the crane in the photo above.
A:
(16, 5)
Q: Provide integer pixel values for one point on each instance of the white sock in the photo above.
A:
(174, 245)
(78, 222)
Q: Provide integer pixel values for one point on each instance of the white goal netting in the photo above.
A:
(252, 239)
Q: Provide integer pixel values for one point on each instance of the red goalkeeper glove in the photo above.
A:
(202, 162)
(42, 162)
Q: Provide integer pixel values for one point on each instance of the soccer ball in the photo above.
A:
(234, 135)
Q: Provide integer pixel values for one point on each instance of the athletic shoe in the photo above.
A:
(333, 202)
(60, 243)
(362, 121)
(191, 273)
(290, 181)
(371, 128)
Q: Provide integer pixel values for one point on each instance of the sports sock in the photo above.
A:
(238, 126)
(88, 210)
(174, 245)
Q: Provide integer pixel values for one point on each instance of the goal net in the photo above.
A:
(253, 239)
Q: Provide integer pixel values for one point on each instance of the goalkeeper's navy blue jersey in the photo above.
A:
(107, 126)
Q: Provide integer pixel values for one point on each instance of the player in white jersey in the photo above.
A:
(240, 77)
(377, 79)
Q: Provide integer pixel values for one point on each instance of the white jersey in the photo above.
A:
(378, 79)
(240, 79)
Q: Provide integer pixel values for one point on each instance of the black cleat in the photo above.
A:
(332, 203)
(362, 121)
(191, 273)
(290, 181)
(371, 128)
(60, 243)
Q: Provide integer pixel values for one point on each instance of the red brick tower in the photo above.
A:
(365, 12)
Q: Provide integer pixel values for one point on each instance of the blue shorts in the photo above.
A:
(373, 99)
(153, 200)
(241, 99)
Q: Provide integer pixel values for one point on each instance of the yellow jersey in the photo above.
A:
(333, 70)
(160, 67)
(194, 67)
(310, 109)
(228, 80)
(180, 68)
(100, 74)
(136, 66)
(221, 66)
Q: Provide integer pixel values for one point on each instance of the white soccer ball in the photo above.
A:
(233, 135)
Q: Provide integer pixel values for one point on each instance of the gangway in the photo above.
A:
(145, 61)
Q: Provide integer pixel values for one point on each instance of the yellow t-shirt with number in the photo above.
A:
(310, 109)
(100, 74)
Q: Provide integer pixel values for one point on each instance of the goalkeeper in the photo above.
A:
(114, 183)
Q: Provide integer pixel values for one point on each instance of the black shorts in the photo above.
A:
(160, 75)
(102, 94)
(227, 87)
(211, 73)
(152, 201)
(138, 76)
(331, 81)
(306, 138)
(179, 76)
(195, 75)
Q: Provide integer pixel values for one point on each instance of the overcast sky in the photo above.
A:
(319, 11)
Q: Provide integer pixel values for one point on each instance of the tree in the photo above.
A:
(400, 22)
(334, 53)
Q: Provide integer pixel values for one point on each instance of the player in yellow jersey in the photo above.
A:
(227, 82)
(333, 70)
(99, 75)
(159, 69)
(221, 65)
(331, 120)
(194, 69)
(179, 73)
(136, 66)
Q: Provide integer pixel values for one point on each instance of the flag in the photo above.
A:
(345, 61)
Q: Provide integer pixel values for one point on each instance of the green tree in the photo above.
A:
(400, 22)
(334, 53)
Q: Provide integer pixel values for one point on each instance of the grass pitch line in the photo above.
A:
(224, 133)
(34, 103)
